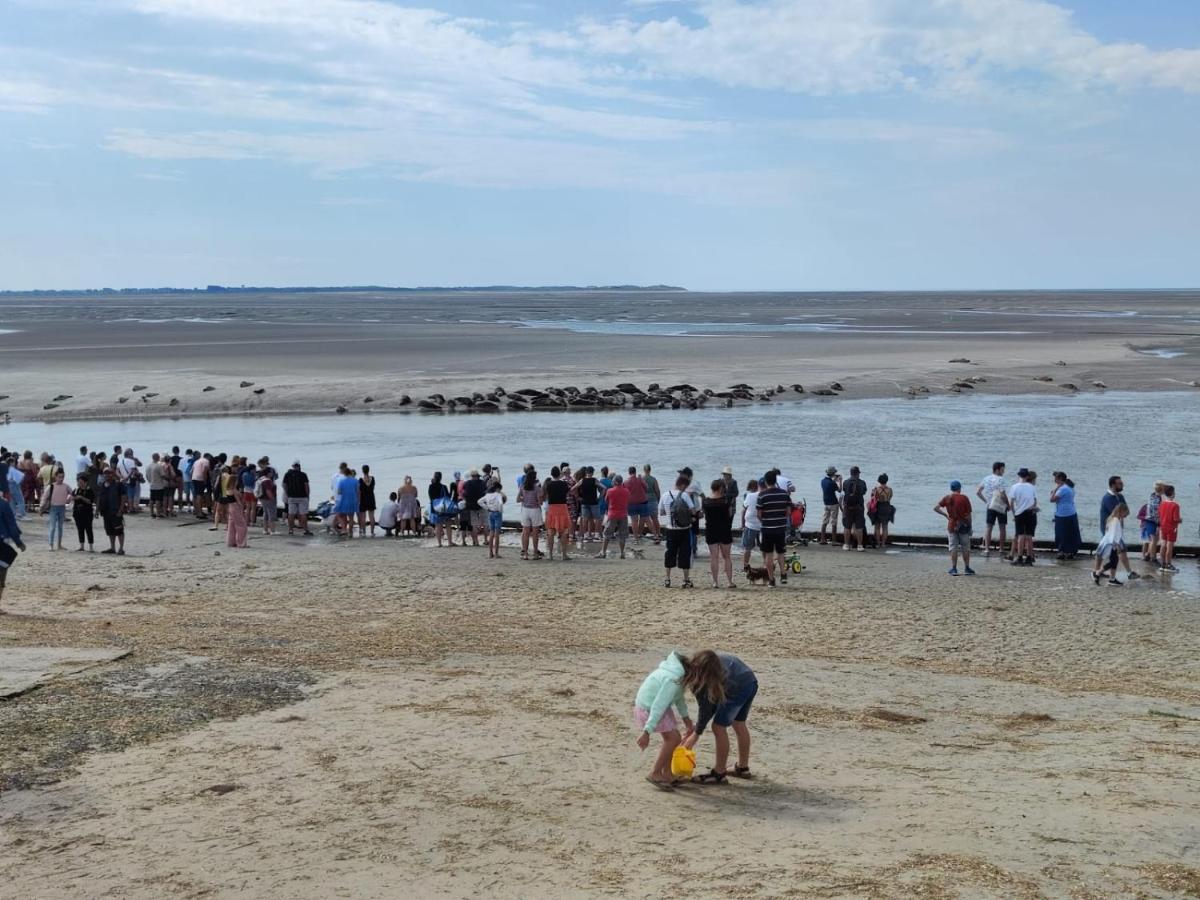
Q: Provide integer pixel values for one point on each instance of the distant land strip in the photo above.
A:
(347, 289)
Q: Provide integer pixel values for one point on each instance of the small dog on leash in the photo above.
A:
(638, 552)
(759, 575)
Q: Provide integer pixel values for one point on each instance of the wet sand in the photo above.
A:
(312, 353)
(319, 719)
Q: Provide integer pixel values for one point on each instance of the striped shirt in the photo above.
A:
(774, 507)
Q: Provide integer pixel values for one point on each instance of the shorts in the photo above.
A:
(737, 707)
(995, 515)
(667, 722)
(133, 490)
(639, 510)
(1149, 529)
(248, 498)
(114, 526)
(1026, 523)
(531, 516)
(558, 518)
(156, 495)
(854, 517)
(270, 510)
(1169, 535)
(749, 538)
(478, 519)
(495, 522)
(959, 541)
(773, 541)
(618, 528)
(590, 512)
(200, 488)
(297, 506)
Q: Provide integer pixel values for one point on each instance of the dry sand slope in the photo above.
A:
(319, 720)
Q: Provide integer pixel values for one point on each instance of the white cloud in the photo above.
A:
(829, 47)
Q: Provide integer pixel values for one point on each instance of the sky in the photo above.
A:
(714, 144)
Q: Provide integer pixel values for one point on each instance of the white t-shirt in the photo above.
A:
(782, 481)
(750, 505)
(990, 485)
(387, 514)
(126, 467)
(664, 507)
(493, 502)
(82, 464)
(1023, 496)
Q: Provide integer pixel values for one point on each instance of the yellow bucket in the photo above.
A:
(683, 762)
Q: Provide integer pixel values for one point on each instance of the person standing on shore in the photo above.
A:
(881, 511)
(1114, 497)
(558, 517)
(529, 496)
(639, 508)
(10, 537)
(956, 509)
(1169, 519)
(676, 512)
(295, 485)
(493, 505)
(366, 501)
(587, 492)
(409, 514)
(110, 502)
(751, 526)
(201, 491)
(84, 512)
(1023, 500)
(830, 485)
(157, 481)
(854, 499)
(58, 495)
(15, 487)
(1067, 539)
(473, 490)
(267, 493)
(653, 499)
(718, 531)
(993, 491)
(346, 508)
(1149, 518)
(616, 524)
(774, 511)
(730, 491)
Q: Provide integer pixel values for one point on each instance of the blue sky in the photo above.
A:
(716, 144)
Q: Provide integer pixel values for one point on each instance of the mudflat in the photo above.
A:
(311, 718)
(315, 352)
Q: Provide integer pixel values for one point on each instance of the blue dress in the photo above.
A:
(347, 496)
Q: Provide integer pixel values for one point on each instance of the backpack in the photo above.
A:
(681, 512)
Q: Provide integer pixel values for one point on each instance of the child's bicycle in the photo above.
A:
(793, 563)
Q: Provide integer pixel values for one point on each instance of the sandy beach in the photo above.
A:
(314, 353)
(356, 719)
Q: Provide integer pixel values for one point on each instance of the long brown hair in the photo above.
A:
(704, 674)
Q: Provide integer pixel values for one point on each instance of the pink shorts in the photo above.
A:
(668, 722)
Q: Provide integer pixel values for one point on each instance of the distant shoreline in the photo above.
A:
(352, 289)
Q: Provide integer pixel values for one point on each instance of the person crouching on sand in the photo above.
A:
(728, 707)
(659, 707)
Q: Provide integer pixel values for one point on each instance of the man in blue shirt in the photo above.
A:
(1108, 503)
(9, 531)
(829, 496)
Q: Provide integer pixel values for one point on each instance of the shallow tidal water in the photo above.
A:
(922, 444)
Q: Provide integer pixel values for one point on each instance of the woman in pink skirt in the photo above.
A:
(235, 532)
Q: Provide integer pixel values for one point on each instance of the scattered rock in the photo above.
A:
(220, 789)
(138, 387)
(209, 388)
(961, 359)
(341, 410)
(259, 391)
(246, 384)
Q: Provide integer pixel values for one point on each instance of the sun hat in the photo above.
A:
(832, 470)
(728, 470)
(1023, 472)
(473, 472)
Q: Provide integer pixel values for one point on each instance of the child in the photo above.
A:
(388, 514)
(725, 688)
(1168, 528)
(1108, 551)
(658, 708)
(493, 501)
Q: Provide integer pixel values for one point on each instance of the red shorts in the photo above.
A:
(1170, 535)
(558, 518)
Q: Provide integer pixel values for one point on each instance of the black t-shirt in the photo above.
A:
(556, 491)
(295, 483)
(589, 492)
(473, 489)
(854, 492)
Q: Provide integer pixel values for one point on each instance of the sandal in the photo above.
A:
(661, 785)
(524, 554)
(712, 776)
(742, 772)
(687, 583)
(667, 583)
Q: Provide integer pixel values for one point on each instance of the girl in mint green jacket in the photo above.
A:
(660, 706)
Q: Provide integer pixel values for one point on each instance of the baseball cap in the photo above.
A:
(832, 470)
(956, 485)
